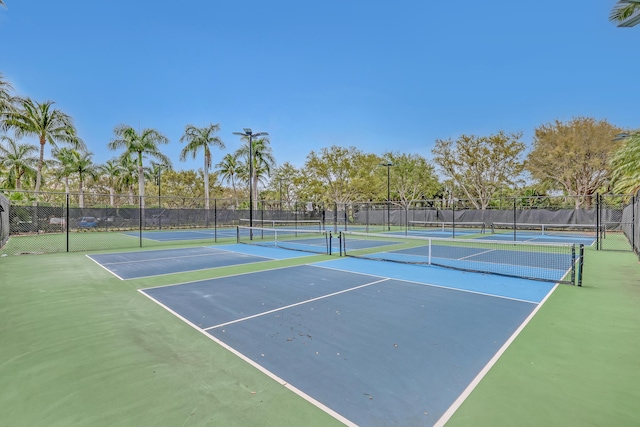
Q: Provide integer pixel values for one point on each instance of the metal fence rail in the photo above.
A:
(59, 222)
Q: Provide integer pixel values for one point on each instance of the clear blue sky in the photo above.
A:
(372, 74)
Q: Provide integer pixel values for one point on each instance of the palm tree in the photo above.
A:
(624, 9)
(84, 167)
(127, 176)
(625, 164)
(47, 123)
(201, 138)
(19, 160)
(111, 169)
(139, 145)
(229, 169)
(7, 101)
(64, 158)
(263, 160)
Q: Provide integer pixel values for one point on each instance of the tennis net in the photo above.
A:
(446, 226)
(558, 230)
(315, 241)
(552, 262)
(305, 224)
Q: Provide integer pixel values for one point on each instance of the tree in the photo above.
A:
(625, 163)
(574, 156)
(201, 138)
(111, 170)
(64, 160)
(229, 169)
(285, 184)
(340, 175)
(20, 161)
(84, 167)
(7, 100)
(263, 161)
(128, 175)
(47, 123)
(411, 178)
(480, 165)
(179, 188)
(140, 145)
(624, 9)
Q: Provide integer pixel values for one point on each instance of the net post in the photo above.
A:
(581, 265)
(342, 242)
(330, 237)
(345, 216)
(238, 234)
(429, 251)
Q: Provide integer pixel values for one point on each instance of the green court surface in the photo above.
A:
(80, 347)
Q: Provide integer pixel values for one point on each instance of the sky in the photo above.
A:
(376, 75)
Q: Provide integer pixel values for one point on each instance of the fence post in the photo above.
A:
(140, 218)
(515, 219)
(453, 218)
(67, 222)
(633, 223)
(598, 234)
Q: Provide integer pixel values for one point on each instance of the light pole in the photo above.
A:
(249, 134)
(388, 166)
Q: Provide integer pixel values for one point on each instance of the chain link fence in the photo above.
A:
(59, 222)
(4, 220)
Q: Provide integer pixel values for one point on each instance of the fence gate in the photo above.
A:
(616, 218)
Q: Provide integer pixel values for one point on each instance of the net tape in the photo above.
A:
(314, 241)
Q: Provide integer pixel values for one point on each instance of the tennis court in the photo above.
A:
(226, 232)
(192, 234)
(523, 236)
(136, 265)
(369, 342)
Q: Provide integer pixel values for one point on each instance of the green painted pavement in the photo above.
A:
(80, 347)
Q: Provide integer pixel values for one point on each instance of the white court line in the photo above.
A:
(224, 277)
(458, 402)
(295, 304)
(479, 253)
(433, 284)
(259, 367)
(160, 259)
(194, 270)
(89, 256)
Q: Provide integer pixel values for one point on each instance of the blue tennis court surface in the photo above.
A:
(135, 265)
(376, 343)
(523, 236)
(192, 234)
(447, 233)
